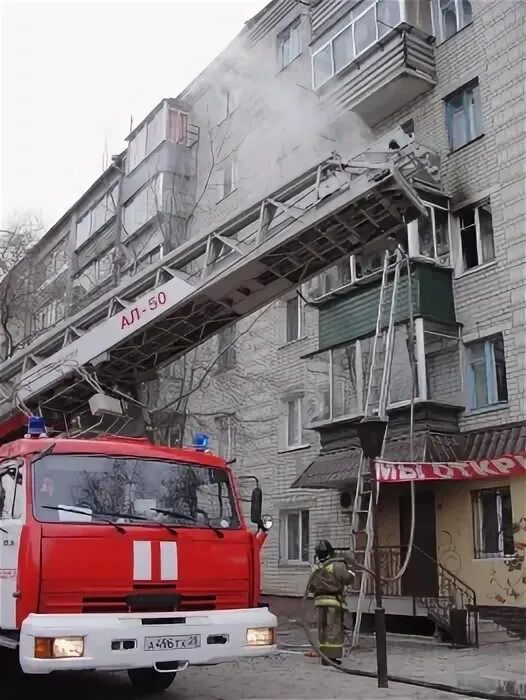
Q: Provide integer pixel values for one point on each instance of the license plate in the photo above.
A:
(187, 641)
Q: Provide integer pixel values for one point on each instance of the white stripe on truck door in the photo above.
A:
(169, 561)
(142, 561)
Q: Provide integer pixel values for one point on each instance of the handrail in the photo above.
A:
(462, 584)
(466, 592)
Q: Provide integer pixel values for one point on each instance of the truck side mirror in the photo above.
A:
(256, 506)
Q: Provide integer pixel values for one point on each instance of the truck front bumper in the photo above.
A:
(165, 641)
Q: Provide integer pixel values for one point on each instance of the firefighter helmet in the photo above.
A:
(324, 550)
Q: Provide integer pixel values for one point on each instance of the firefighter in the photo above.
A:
(327, 584)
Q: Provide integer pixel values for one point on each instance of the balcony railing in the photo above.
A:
(376, 59)
(451, 595)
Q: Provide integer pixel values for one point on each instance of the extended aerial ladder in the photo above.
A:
(376, 403)
(217, 278)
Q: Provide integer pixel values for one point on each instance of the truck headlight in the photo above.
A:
(261, 636)
(59, 647)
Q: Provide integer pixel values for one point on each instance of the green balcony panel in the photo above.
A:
(353, 315)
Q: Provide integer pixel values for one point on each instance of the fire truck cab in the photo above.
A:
(116, 554)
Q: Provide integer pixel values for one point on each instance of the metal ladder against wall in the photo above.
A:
(378, 384)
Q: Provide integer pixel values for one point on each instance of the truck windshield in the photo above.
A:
(81, 488)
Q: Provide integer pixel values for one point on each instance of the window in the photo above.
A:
(430, 237)
(370, 21)
(97, 271)
(226, 349)
(97, 216)
(228, 97)
(464, 116)
(143, 207)
(55, 261)
(48, 315)
(294, 314)
(486, 373)
(493, 523)
(296, 538)
(289, 44)
(227, 179)
(294, 426)
(338, 378)
(476, 236)
(11, 491)
(166, 124)
(177, 126)
(194, 495)
(449, 16)
(226, 437)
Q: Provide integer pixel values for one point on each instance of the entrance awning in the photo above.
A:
(338, 468)
(483, 454)
(476, 454)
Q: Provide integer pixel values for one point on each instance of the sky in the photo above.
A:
(74, 74)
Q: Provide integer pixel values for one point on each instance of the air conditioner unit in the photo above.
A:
(347, 500)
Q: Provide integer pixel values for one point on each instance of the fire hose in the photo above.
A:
(442, 687)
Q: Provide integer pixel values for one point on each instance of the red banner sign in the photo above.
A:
(507, 465)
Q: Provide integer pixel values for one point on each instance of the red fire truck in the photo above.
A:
(117, 554)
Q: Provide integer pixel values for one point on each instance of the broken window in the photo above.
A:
(493, 523)
(433, 235)
(476, 235)
(486, 373)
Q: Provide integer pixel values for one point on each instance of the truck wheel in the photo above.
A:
(148, 680)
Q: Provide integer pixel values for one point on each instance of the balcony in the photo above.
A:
(376, 59)
(338, 371)
(161, 143)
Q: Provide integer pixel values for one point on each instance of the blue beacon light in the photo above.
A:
(36, 427)
(200, 441)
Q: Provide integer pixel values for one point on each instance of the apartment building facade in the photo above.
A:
(281, 391)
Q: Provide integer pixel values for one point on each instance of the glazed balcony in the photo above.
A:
(377, 58)
(338, 370)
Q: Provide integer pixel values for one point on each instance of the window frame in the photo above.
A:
(281, 40)
(438, 23)
(284, 520)
(19, 486)
(297, 403)
(478, 524)
(475, 208)
(47, 315)
(93, 269)
(299, 319)
(490, 366)
(414, 240)
(230, 165)
(107, 200)
(153, 188)
(355, 55)
(361, 377)
(225, 425)
(226, 356)
(471, 113)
